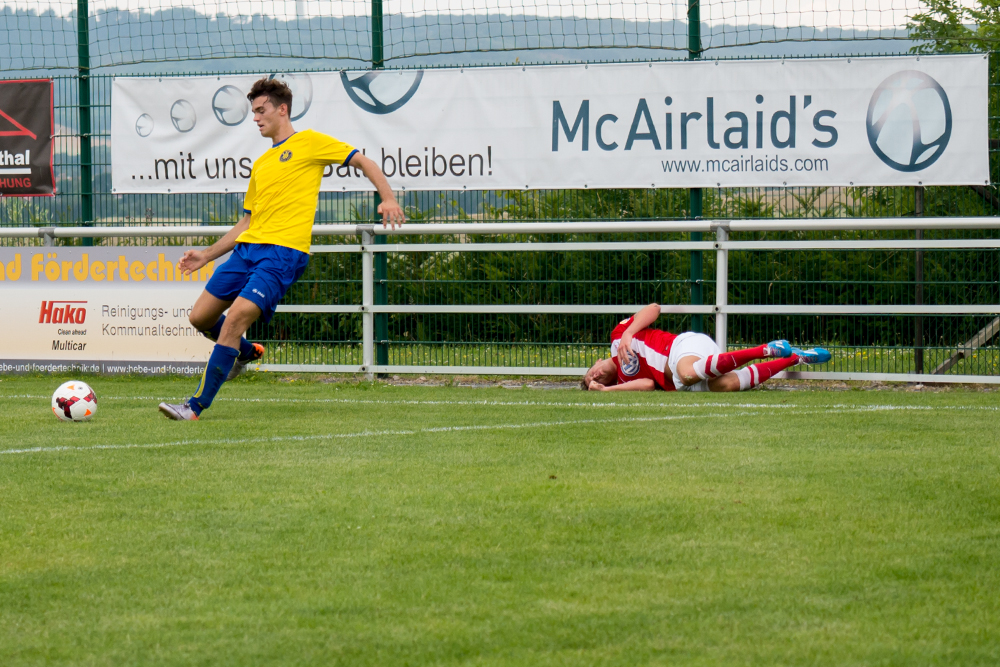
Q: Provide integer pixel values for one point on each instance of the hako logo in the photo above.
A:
(62, 312)
(381, 92)
(909, 121)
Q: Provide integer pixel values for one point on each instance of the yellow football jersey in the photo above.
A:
(284, 189)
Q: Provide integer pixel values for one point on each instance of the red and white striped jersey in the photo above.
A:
(651, 348)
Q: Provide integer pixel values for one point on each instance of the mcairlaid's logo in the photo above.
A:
(909, 121)
(62, 312)
(381, 92)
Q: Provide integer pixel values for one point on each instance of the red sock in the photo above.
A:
(756, 374)
(718, 365)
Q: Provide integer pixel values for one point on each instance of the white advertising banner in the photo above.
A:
(838, 122)
(103, 310)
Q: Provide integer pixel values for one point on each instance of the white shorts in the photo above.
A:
(690, 344)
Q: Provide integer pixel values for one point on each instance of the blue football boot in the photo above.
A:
(779, 349)
(816, 355)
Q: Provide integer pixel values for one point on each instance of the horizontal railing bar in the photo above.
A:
(291, 308)
(603, 227)
(479, 370)
(859, 224)
(572, 309)
(19, 233)
(891, 377)
(542, 247)
(860, 310)
(166, 231)
(312, 368)
(488, 309)
(810, 224)
(902, 244)
(352, 248)
(423, 370)
(599, 227)
(579, 372)
(539, 309)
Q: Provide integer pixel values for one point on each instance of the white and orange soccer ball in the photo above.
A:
(74, 401)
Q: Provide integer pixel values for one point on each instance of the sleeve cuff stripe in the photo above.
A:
(350, 155)
(246, 210)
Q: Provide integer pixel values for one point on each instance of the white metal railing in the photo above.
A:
(721, 246)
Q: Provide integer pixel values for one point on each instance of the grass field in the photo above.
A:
(322, 524)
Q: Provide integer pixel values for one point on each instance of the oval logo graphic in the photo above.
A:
(909, 121)
(381, 92)
(144, 125)
(182, 115)
(302, 91)
(632, 367)
(286, 156)
(230, 105)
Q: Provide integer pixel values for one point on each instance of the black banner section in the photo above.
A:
(26, 121)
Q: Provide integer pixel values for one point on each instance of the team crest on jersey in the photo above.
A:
(632, 367)
(286, 156)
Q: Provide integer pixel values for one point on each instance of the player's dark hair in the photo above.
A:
(277, 92)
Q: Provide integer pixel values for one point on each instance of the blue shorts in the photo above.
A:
(258, 272)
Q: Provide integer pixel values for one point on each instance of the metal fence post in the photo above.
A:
(695, 194)
(697, 271)
(918, 289)
(367, 300)
(721, 288)
(380, 259)
(381, 269)
(86, 158)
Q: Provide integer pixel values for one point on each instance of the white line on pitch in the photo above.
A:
(363, 434)
(485, 402)
(554, 404)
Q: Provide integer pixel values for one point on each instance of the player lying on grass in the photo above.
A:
(270, 245)
(645, 359)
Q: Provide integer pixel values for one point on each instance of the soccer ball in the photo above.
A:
(74, 401)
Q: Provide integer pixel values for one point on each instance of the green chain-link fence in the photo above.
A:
(167, 38)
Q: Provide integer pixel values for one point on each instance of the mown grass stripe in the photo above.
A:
(363, 434)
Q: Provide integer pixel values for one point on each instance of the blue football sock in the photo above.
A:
(216, 330)
(246, 347)
(219, 365)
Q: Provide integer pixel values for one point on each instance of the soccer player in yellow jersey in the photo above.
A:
(270, 244)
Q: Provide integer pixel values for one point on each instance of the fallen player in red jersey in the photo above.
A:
(646, 359)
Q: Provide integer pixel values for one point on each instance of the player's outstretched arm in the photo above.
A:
(392, 213)
(642, 384)
(192, 260)
(640, 321)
